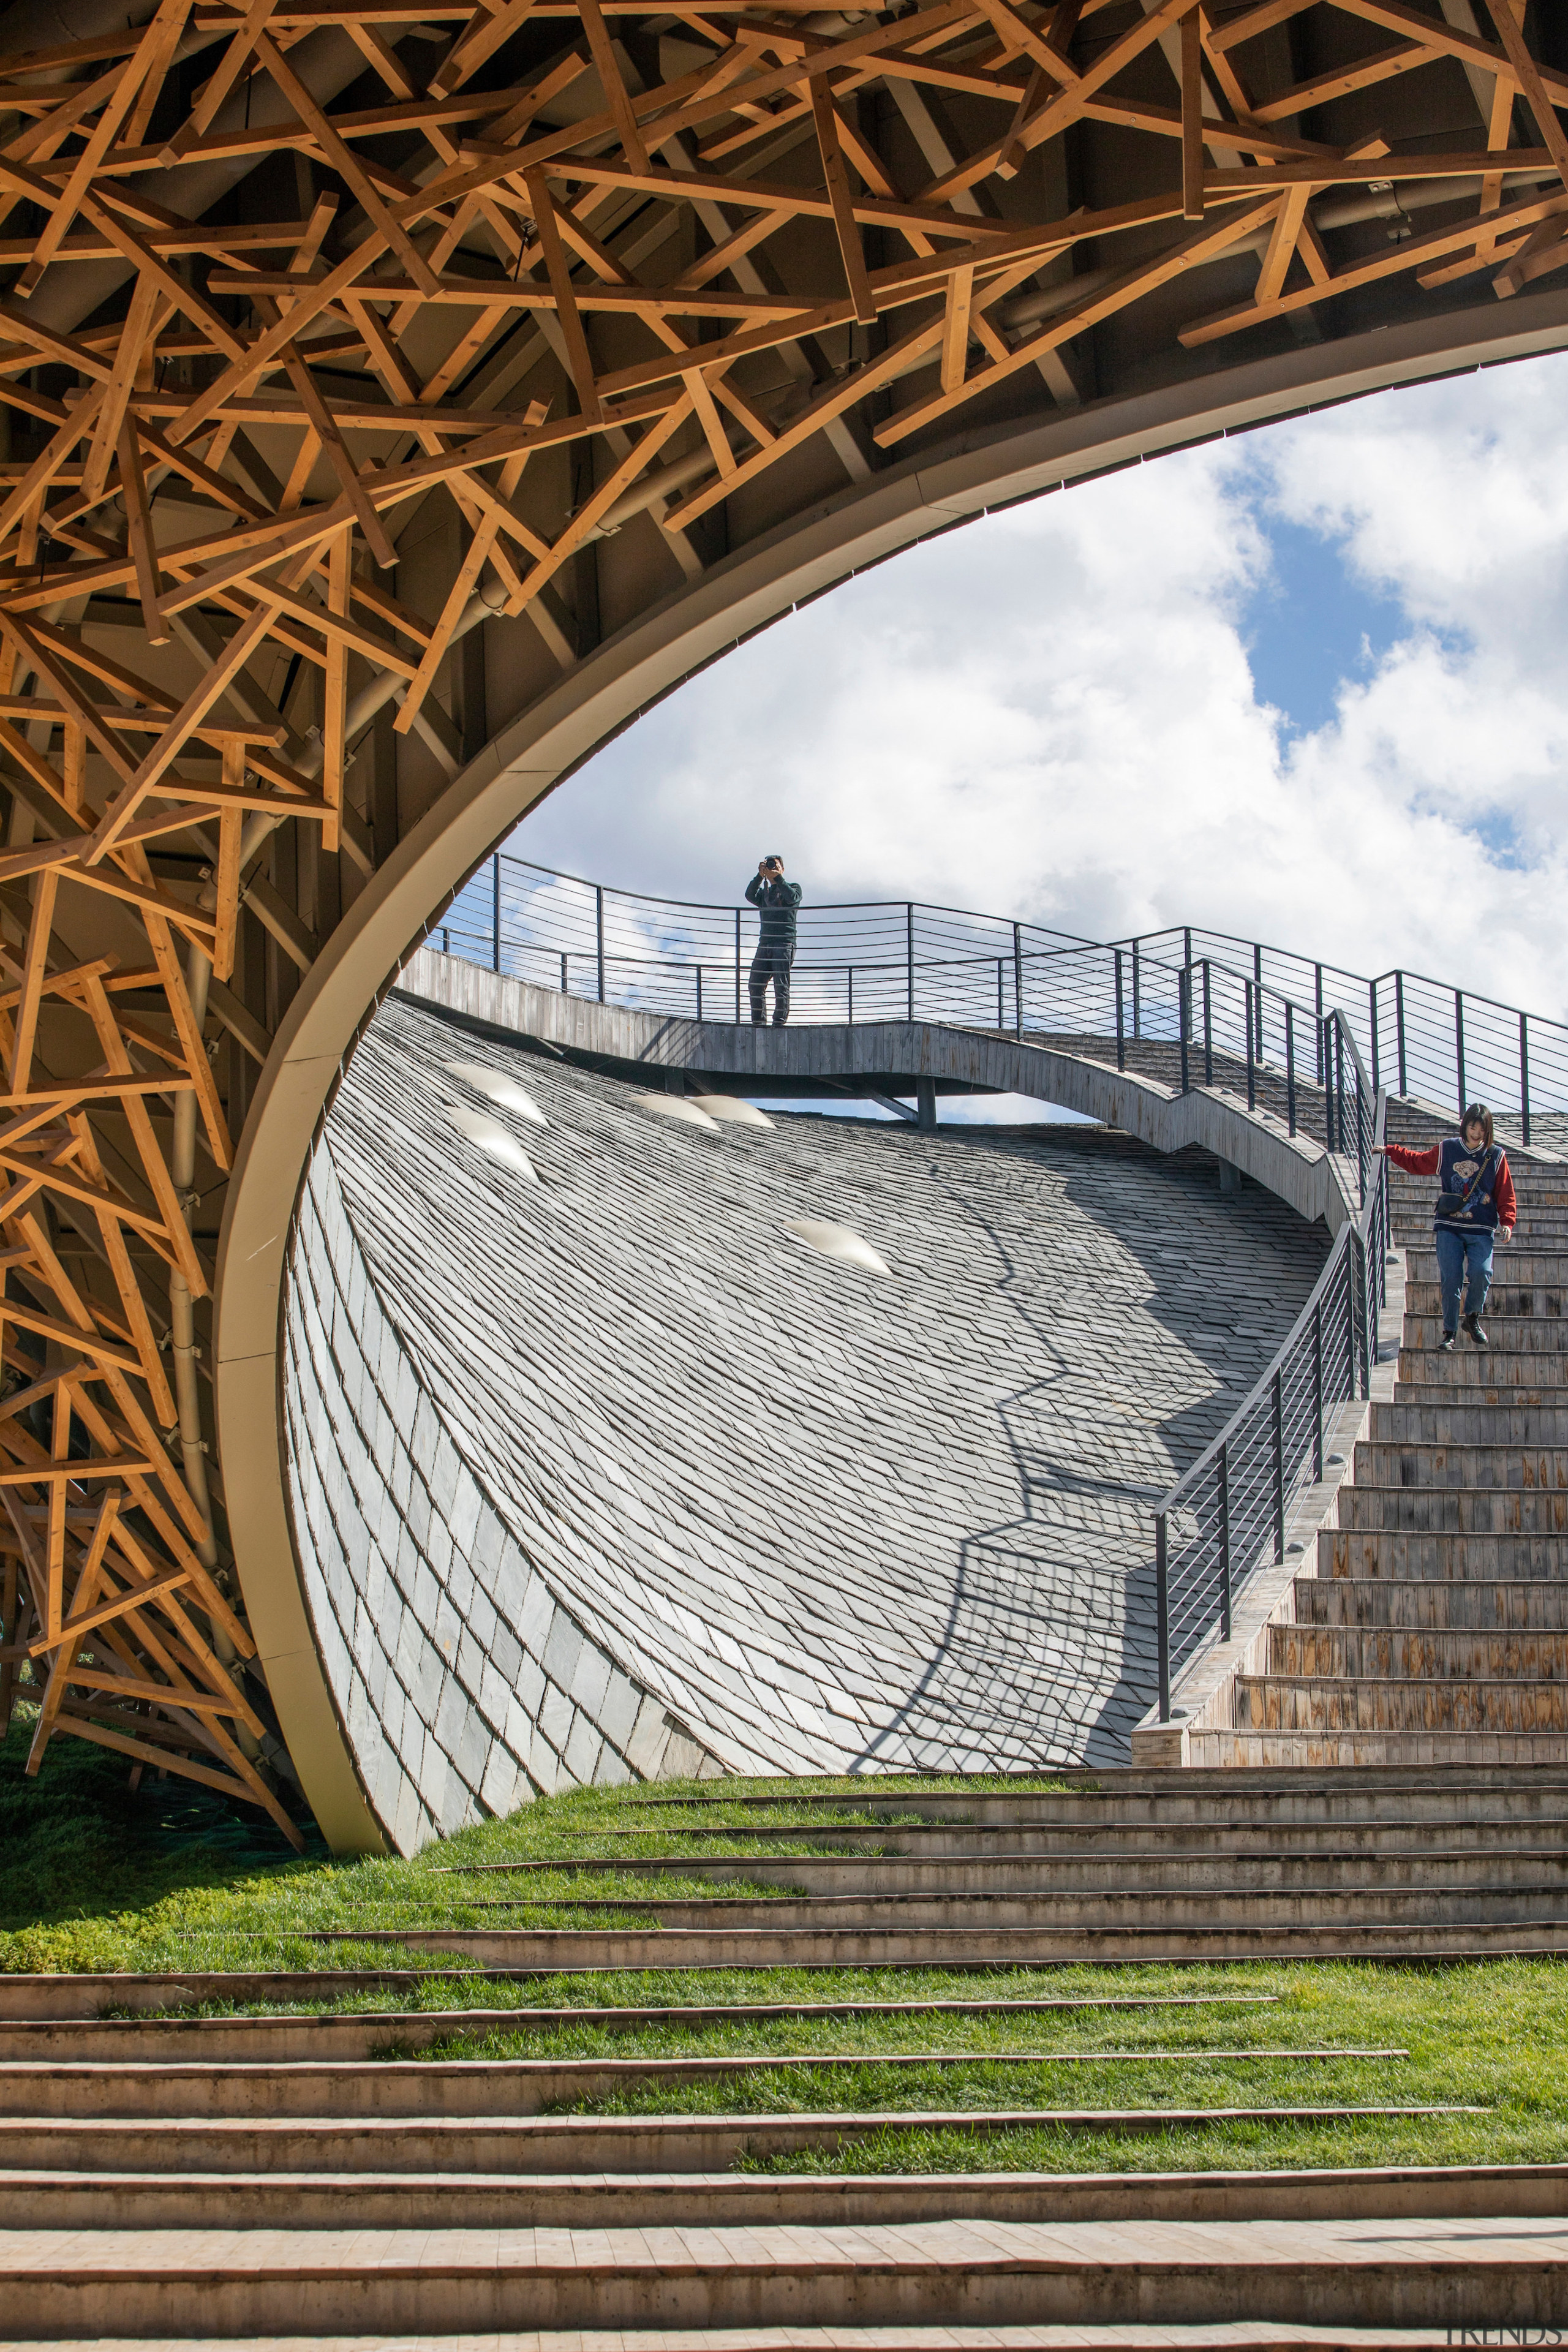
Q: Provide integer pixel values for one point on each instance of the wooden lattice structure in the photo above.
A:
(297, 292)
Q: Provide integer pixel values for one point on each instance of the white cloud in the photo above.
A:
(1050, 715)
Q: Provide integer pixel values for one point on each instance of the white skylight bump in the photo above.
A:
(840, 1241)
(492, 1137)
(731, 1112)
(677, 1107)
(497, 1087)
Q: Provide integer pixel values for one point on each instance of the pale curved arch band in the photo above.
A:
(603, 694)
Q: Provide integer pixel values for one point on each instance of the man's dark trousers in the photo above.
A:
(772, 962)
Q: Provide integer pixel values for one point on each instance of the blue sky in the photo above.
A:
(1310, 624)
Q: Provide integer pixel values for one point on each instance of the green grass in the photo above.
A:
(95, 1877)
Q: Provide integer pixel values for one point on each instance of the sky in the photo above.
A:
(1307, 685)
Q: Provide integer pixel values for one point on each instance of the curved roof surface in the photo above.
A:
(824, 1517)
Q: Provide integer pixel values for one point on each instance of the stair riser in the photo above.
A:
(1512, 1297)
(1532, 1468)
(1508, 1334)
(985, 1944)
(1481, 1375)
(998, 1857)
(1353, 1654)
(982, 1861)
(1452, 1511)
(1428, 1706)
(1071, 1889)
(1452, 1608)
(1413, 1200)
(1455, 1510)
(1532, 1427)
(548, 2145)
(1049, 1892)
(1416, 1556)
(1520, 1265)
(635, 1949)
(1481, 1394)
(731, 2201)
(439, 2297)
(1324, 1751)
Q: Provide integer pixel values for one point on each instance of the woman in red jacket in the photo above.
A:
(1475, 1204)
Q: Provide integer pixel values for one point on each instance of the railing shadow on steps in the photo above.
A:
(1227, 1514)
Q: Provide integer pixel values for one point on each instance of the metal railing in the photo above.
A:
(1182, 1025)
(1419, 1036)
(1227, 1515)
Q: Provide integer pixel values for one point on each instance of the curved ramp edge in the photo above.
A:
(1296, 1170)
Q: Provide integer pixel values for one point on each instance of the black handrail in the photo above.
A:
(869, 960)
(1427, 1039)
(1234, 1501)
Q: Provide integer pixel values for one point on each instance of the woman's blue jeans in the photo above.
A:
(1460, 1256)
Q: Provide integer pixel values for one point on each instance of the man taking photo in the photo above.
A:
(776, 901)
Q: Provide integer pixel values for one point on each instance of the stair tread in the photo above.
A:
(213, 2254)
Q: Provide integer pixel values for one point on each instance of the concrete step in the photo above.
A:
(344, 2091)
(1315, 1751)
(1508, 1335)
(336, 2201)
(929, 1854)
(1465, 1396)
(1479, 1371)
(1452, 1607)
(1378, 1653)
(575, 2144)
(174, 2284)
(1456, 1422)
(1030, 1892)
(286, 2038)
(1513, 1293)
(1377, 1462)
(1424, 1555)
(1456, 1510)
(1321, 1703)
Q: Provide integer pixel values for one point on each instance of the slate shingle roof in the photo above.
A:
(613, 1476)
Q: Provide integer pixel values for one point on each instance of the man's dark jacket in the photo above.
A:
(776, 901)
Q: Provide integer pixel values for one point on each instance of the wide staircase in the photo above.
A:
(323, 2161)
(1436, 1629)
